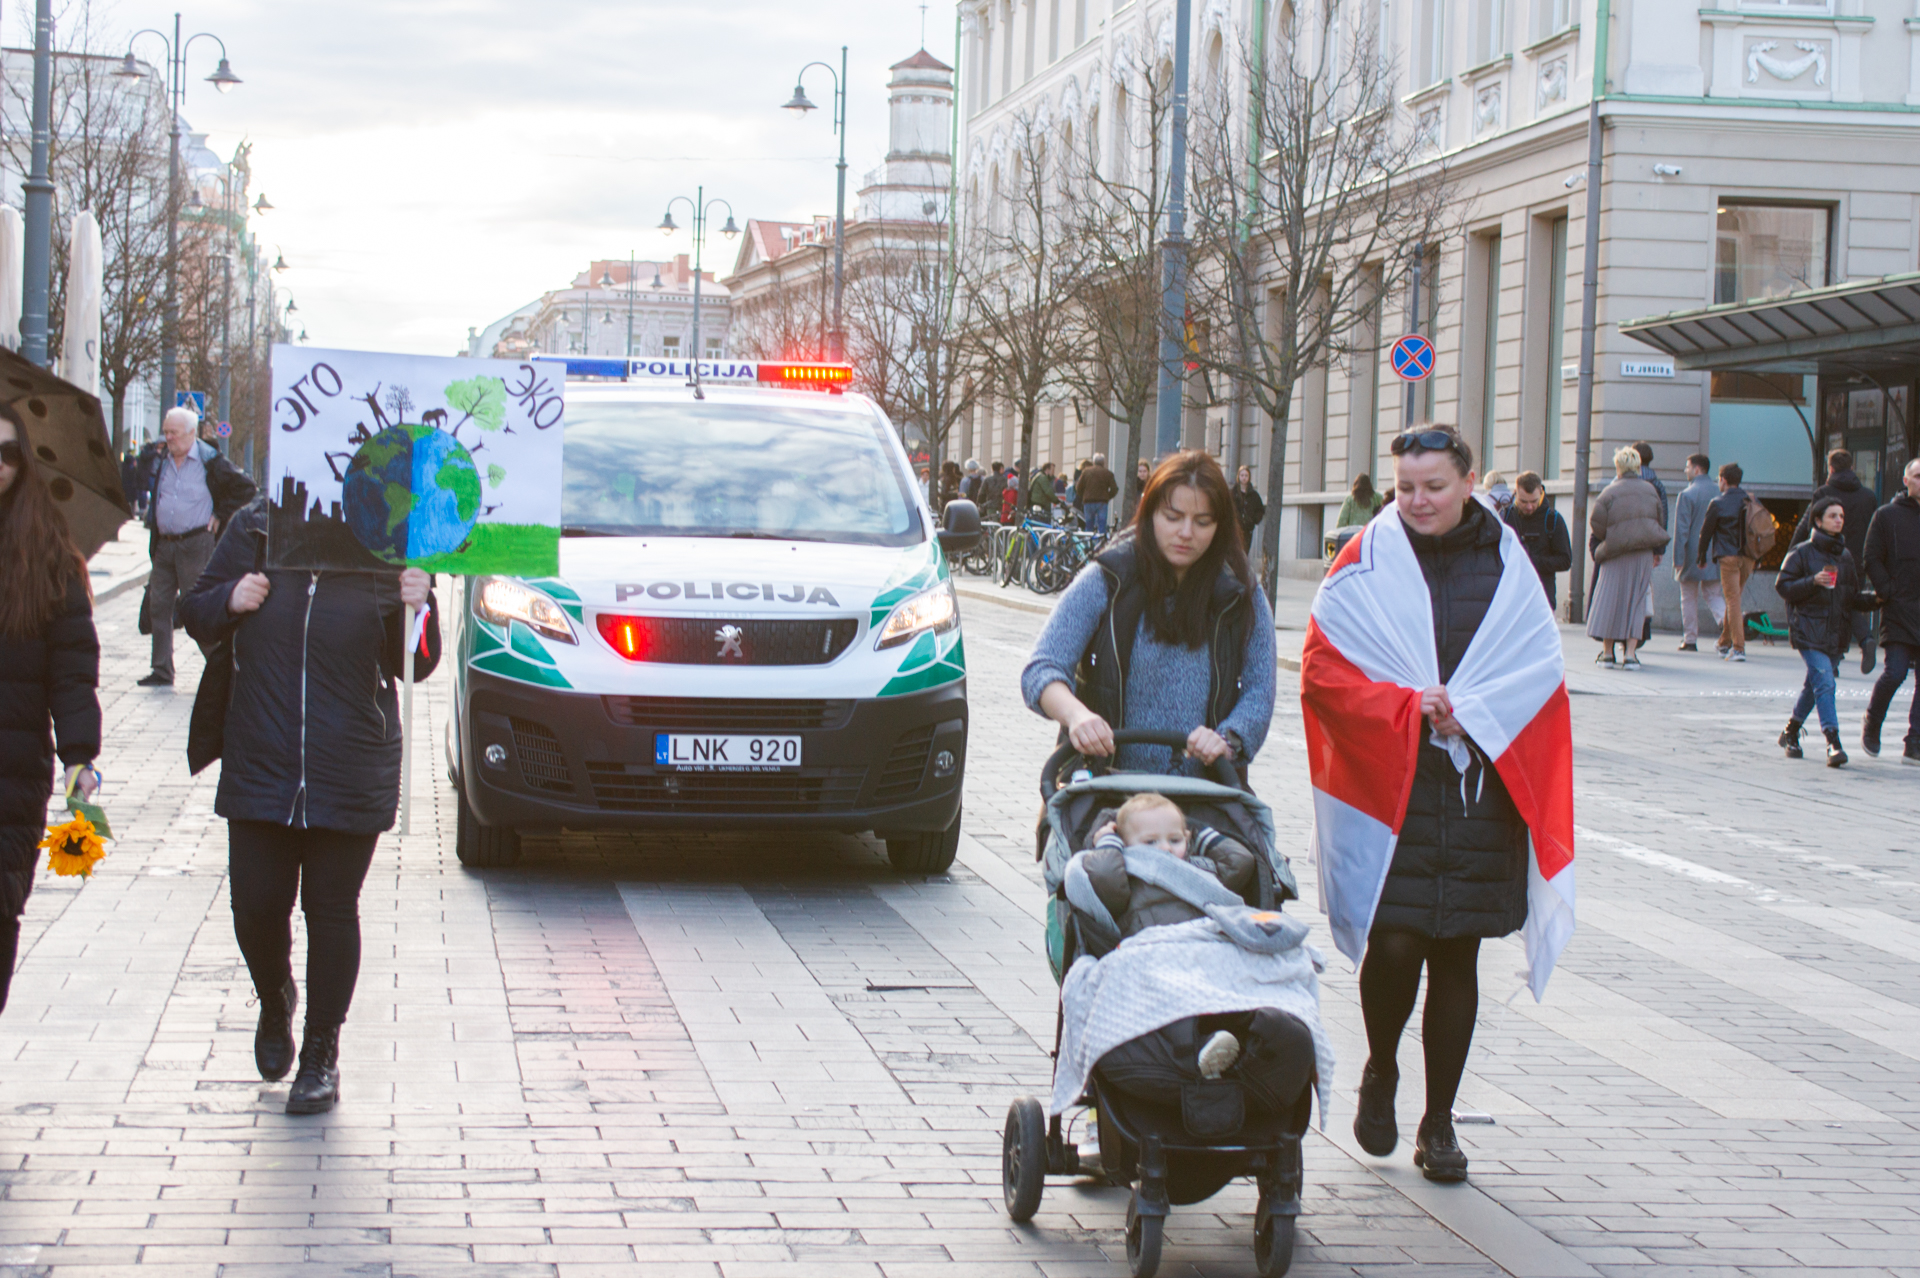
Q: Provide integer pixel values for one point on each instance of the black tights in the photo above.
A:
(9, 951)
(1389, 983)
(267, 866)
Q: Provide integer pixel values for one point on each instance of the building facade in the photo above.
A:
(616, 308)
(1750, 148)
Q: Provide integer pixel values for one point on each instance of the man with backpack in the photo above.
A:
(1736, 533)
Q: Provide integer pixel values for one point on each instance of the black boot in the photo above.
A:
(273, 1037)
(1790, 740)
(1869, 734)
(1436, 1153)
(1835, 755)
(1867, 655)
(1373, 1124)
(317, 1086)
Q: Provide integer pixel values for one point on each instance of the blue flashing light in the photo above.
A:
(611, 368)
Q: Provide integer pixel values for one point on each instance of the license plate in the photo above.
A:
(724, 752)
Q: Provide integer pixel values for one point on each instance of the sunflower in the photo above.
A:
(73, 848)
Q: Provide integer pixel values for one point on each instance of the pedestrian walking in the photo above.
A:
(1040, 494)
(926, 485)
(1497, 491)
(1431, 626)
(992, 485)
(1697, 582)
(1892, 563)
(1096, 488)
(1135, 486)
(1821, 586)
(1647, 473)
(1731, 538)
(1542, 533)
(190, 492)
(1361, 505)
(49, 668)
(1845, 487)
(971, 481)
(1012, 496)
(1248, 506)
(1164, 630)
(1626, 538)
(311, 775)
(949, 484)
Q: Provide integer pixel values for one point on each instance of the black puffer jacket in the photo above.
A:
(1892, 565)
(1460, 866)
(313, 727)
(47, 686)
(1844, 487)
(1819, 618)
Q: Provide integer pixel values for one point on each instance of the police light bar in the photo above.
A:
(782, 373)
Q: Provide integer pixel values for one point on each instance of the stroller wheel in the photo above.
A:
(1023, 1158)
(1143, 1243)
(1273, 1246)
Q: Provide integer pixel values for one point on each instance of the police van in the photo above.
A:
(752, 627)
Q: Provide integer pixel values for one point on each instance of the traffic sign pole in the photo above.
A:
(1413, 326)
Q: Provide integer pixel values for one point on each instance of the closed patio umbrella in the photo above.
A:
(12, 277)
(80, 343)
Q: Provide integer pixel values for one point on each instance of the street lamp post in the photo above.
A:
(1173, 253)
(701, 206)
(222, 79)
(629, 303)
(37, 259)
(800, 105)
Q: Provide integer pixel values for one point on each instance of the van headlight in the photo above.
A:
(934, 610)
(503, 601)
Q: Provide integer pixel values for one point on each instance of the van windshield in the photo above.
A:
(718, 469)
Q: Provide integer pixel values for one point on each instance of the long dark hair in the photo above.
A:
(37, 556)
(1177, 610)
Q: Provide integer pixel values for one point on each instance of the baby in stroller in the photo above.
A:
(1269, 1052)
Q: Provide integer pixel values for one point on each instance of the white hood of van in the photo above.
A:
(695, 576)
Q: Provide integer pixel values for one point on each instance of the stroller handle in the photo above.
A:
(1221, 769)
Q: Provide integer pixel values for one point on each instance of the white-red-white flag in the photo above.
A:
(1369, 652)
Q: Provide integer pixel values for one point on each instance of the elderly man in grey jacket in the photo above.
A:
(1696, 583)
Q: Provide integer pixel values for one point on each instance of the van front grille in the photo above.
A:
(543, 763)
(726, 714)
(619, 787)
(906, 765)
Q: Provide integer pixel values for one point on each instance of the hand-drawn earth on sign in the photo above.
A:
(467, 481)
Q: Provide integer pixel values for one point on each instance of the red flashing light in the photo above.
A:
(631, 637)
(791, 374)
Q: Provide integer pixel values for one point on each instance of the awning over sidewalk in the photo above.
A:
(1846, 329)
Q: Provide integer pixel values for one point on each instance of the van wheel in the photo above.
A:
(925, 853)
(482, 845)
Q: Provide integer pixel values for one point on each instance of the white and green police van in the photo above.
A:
(752, 627)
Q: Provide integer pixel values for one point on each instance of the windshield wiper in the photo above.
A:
(756, 535)
(583, 530)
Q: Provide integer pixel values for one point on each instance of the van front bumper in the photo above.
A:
(582, 761)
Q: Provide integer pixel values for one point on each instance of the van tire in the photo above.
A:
(482, 846)
(930, 853)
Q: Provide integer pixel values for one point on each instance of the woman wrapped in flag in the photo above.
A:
(1438, 737)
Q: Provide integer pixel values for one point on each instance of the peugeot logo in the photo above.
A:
(728, 637)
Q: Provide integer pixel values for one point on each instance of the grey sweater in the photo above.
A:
(1166, 684)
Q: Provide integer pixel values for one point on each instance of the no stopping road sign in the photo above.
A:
(1412, 358)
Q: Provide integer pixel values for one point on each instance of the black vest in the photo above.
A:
(1101, 681)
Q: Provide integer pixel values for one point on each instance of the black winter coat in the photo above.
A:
(1843, 486)
(1460, 866)
(1819, 618)
(313, 727)
(1248, 507)
(1892, 565)
(47, 686)
(1549, 545)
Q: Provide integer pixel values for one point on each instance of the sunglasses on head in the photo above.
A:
(10, 454)
(1432, 441)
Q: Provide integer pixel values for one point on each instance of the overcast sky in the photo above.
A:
(436, 163)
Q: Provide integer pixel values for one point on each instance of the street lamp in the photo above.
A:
(800, 104)
(279, 262)
(701, 206)
(222, 79)
(263, 204)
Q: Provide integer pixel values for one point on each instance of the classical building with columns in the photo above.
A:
(607, 311)
(1750, 148)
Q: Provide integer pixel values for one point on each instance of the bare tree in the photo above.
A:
(1015, 278)
(1114, 205)
(1308, 204)
(787, 320)
(902, 337)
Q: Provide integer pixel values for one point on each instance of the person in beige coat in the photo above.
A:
(1627, 538)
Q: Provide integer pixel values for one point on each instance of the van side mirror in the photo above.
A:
(960, 526)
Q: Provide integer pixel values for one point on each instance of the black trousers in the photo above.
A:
(9, 952)
(267, 867)
(1275, 1065)
(1900, 659)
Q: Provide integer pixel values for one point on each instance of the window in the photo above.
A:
(1796, 7)
(670, 346)
(1768, 250)
(1489, 30)
(1006, 47)
(713, 348)
(1053, 31)
(1489, 348)
(1552, 16)
(1079, 23)
(1429, 42)
(1026, 57)
(1429, 321)
(1556, 346)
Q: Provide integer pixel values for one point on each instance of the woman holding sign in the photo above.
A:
(311, 774)
(49, 666)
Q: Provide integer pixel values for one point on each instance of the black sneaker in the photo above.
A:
(1836, 756)
(1373, 1124)
(1437, 1154)
(1790, 740)
(157, 680)
(1912, 753)
(1869, 734)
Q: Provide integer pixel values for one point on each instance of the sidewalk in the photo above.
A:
(121, 565)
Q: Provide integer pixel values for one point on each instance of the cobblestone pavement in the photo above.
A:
(687, 1055)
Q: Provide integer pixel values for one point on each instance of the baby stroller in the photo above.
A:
(1147, 1145)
